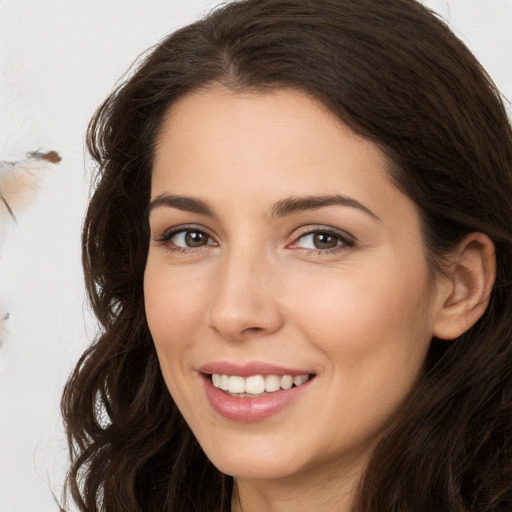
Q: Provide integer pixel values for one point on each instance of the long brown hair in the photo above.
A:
(393, 72)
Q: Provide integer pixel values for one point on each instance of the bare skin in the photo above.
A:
(278, 237)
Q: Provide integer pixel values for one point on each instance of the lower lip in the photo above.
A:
(248, 410)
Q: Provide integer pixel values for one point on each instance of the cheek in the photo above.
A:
(374, 336)
(374, 325)
(174, 305)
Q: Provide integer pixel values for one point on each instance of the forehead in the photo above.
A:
(262, 147)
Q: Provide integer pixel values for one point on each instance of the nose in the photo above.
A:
(246, 301)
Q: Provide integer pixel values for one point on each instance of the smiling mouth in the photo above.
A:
(256, 385)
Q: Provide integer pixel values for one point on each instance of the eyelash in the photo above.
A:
(344, 240)
(166, 237)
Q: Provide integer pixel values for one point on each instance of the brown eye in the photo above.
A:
(325, 241)
(189, 239)
(195, 238)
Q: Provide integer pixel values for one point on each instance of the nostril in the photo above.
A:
(253, 329)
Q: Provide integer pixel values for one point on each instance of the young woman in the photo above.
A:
(299, 250)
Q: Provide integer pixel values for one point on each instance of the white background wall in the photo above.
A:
(58, 60)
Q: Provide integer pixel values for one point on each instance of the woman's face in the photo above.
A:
(281, 250)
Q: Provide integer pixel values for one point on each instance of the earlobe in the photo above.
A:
(467, 288)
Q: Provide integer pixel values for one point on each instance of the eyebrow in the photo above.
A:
(303, 203)
(282, 208)
(187, 204)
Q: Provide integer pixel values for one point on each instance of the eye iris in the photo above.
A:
(324, 241)
(195, 239)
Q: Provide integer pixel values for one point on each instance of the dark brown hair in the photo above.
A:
(393, 72)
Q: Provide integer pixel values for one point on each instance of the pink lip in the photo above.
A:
(248, 410)
(248, 369)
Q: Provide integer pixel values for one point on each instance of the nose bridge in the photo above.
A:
(242, 301)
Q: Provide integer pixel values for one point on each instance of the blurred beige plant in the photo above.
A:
(19, 184)
(20, 181)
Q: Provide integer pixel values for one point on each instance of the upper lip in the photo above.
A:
(248, 369)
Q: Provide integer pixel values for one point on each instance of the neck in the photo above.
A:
(327, 490)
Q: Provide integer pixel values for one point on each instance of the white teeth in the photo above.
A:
(236, 384)
(224, 382)
(300, 379)
(256, 384)
(286, 381)
(272, 383)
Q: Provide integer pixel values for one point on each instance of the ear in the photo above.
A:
(467, 287)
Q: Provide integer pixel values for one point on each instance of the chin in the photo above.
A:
(254, 470)
(253, 461)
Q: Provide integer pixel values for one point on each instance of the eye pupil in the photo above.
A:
(324, 241)
(195, 238)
